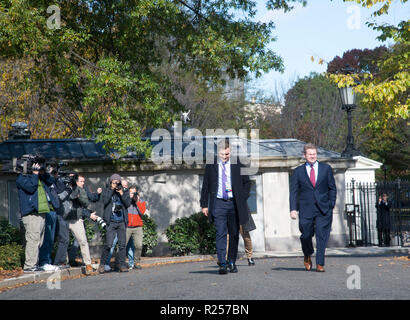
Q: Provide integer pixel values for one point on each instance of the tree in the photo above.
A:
(102, 62)
(312, 112)
(359, 60)
(391, 146)
(209, 106)
(385, 90)
(19, 99)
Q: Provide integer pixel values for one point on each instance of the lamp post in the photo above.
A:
(349, 104)
(384, 167)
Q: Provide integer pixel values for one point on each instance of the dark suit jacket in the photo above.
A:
(241, 186)
(303, 196)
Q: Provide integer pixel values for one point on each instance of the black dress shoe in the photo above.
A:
(251, 262)
(222, 268)
(232, 267)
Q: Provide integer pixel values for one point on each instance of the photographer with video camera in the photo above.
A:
(44, 259)
(37, 197)
(116, 200)
(74, 203)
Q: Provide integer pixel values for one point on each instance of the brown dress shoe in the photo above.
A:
(320, 268)
(88, 269)
(308, 263)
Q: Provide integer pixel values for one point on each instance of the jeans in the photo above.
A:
(134, 254)
(49, 235)
(130, 252)
(115, 229)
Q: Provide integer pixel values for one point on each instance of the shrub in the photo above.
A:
(192, 234)
(11, 256)
(150, 238)
(207, 234)
(8, 233)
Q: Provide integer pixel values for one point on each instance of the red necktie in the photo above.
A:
(312, 175)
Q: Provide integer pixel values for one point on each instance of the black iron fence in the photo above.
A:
(361, 212)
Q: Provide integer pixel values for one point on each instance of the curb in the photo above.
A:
(77, 272)
(39, 277)
(147, 262)
(334, 252)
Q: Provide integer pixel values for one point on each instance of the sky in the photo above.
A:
(322, 29)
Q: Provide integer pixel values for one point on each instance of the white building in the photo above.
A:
(364, 170)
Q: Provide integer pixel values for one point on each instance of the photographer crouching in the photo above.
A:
(70, 218)
(37, 197)
(116, 200)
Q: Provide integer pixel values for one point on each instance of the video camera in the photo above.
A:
(69, 178)
(24, 164)
(70, 181)
(56, 168)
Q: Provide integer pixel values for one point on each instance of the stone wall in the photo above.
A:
(173, 192)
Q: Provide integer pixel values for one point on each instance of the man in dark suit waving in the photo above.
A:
(313, 193)
(223, 200)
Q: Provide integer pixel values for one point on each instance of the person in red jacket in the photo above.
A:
(135, 227)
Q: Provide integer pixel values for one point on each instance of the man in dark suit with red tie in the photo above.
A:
(313, 193)
(223, 200)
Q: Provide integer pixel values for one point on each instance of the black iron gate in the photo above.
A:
(361, 212)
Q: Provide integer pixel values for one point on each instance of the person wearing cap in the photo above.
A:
(116, 200)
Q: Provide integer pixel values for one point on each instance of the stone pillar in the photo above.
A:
(279, 229)
(4, 212)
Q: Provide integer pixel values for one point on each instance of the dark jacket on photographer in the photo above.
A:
(93, 197)
(110, 198)
(74, 202)
(80, 201)
(64, 192)
(27, 187)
